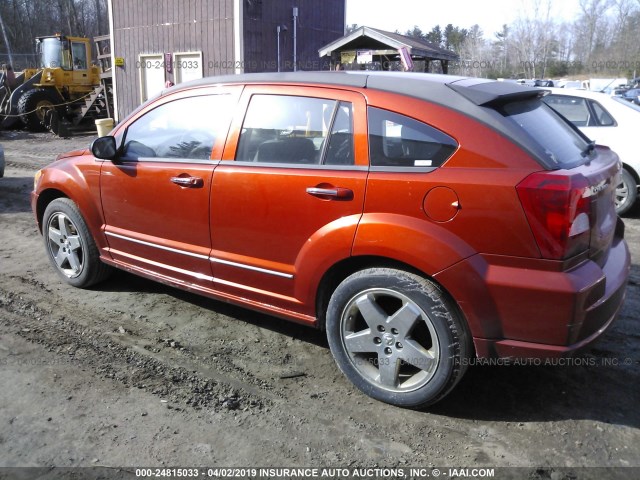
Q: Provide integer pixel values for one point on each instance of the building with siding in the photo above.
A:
(158, 41)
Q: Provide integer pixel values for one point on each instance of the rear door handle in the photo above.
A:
(331, 192)
(192, 182)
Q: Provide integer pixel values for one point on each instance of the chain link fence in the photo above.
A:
(19, 61)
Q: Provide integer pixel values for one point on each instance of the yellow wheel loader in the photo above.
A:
(65, 86)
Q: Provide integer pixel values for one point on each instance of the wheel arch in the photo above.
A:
(74, 186)
(44, 199)
(338, 272)
(632, 171)
(53, 91)
(72, 245)
(447, 330)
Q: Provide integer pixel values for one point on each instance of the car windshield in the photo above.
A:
(627, 103)
(563, 145)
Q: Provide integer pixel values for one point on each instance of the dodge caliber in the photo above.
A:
(422, 221)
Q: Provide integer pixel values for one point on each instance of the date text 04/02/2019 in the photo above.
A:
(250, 65)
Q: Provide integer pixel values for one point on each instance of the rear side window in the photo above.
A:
(297, 130)
(580, 111)
(399, 141)
(572, 108)
(602, 117)
(563, 146)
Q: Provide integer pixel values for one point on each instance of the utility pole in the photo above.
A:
(6, 41)
(295, 38)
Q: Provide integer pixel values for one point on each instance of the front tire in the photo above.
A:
(70, 246)
(32, 107)
(626, 193)
(397, 337)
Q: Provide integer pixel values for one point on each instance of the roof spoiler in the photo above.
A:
(489, 93)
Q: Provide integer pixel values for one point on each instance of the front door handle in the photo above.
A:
(191, 182)
(331, 193)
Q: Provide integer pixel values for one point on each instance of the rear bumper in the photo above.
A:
(523, 312)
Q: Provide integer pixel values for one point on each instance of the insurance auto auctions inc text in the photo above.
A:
(386, 473)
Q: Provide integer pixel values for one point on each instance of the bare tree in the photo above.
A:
(591, 28)
(473, 51)
(27, 19)
(533, 38)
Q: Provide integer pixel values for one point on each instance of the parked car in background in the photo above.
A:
(2, 162)
(619, 92)
(570, 84)
(543, 83)
(632, 95)
(609, 121)
(420, 220)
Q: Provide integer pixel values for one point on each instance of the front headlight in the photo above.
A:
(36, 179)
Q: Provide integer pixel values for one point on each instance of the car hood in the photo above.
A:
(73, 153)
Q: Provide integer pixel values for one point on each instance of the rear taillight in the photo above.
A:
(558, 208)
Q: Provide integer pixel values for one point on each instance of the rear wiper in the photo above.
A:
(591, 146)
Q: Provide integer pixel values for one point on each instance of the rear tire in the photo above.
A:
(626, 193)
(397, 337)
(32, 106)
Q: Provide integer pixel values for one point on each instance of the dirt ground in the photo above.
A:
(134, 373)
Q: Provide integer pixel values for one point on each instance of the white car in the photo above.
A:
(610, 121)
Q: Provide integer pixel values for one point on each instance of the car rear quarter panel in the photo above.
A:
(483, 173)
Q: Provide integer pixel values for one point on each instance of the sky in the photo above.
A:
(426, 14)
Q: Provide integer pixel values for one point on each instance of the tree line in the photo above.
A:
(603, 40)
(21, 21)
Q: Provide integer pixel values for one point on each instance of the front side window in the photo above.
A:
(399, 141)
(186, 128)
(297, 130)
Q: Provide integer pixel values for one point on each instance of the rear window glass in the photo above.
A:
(563, 146)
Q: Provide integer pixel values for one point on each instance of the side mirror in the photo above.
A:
(104, 148)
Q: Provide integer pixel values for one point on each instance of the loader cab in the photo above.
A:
(68, 53)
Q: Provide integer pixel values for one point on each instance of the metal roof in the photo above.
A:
(395, 41)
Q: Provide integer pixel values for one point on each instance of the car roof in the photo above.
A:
(575, 92)
(435, 88)
(466, 95)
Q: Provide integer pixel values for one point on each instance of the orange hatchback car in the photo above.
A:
(421, 220)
